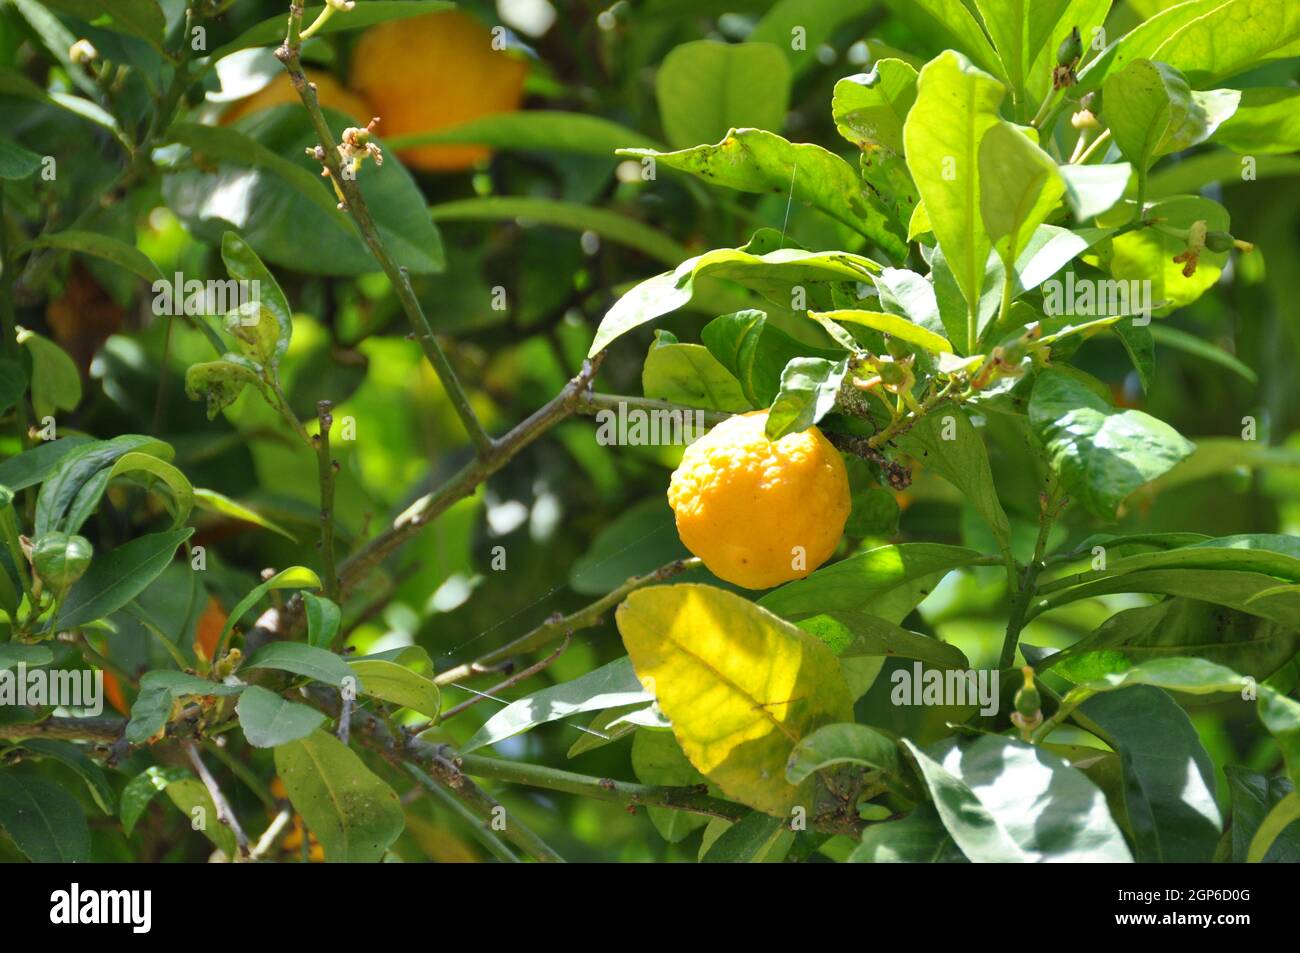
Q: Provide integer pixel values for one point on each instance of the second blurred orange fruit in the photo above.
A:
(421, 74)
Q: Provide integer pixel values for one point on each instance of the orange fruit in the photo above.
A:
(280, 90)
(760, 512)
(113, 692)
(208, 630)
(433, 72)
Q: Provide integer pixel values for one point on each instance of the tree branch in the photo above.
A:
(560, 626)
(355, 203)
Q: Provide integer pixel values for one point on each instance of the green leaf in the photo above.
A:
(956, 104)
(221, 382)
(755, 839)
(219, 503)
(1020, 29)
(842, 744)
(890, 324)
(269, 720)
(705, 88)
(852, 634)
(35, 465)
(271, 30)
(112, 250)
(1169, 784)
(1253, 797)
(1094, 189)
(305, 660)
(118, 576)
(272, 210)
(1140, 42)
(864, 578)
(945, 442)
(1019, 188)
(15, 161)
(83, 473)
(952, 24)
(1199, 347)
(1151, 112)
(771, 271)
(33, 656)
(1102, 454)
(141, 18)
(1284, 814)
(143, 466)
(55, 380)
(1230, 38)
(1267, 121)
(1004, 801)
(919, 838)
(242, 264)
(609, 686)
(869, 109)
(540, 130)
(228, 144)
(768, 683)
(397, 685)
(75, 758)
(323, 620)
(44, 820)
(295, 577)
(192, 798)
(1245, 643)
(657, 758)
(532, 210)
(756, 353)
(809, 386)
(753, 160)
(142, 789)
(688, 374)
(1281, 716)
(353, 813)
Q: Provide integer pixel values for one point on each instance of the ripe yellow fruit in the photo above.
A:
(758, 512)
(329, 92)
(432, 72)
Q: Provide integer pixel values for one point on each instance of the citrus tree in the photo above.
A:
(907, 544)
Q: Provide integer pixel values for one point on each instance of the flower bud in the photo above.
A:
(1070, 50)
(60, 560)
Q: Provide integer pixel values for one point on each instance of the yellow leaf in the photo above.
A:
(740, 685)
(890, 324)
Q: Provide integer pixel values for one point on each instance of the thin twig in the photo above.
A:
(559, 626)
(509, 683)
(271, 834)
(288, 54)
(464, 482)
(326, 468)
(482, 830)
(224, 814)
